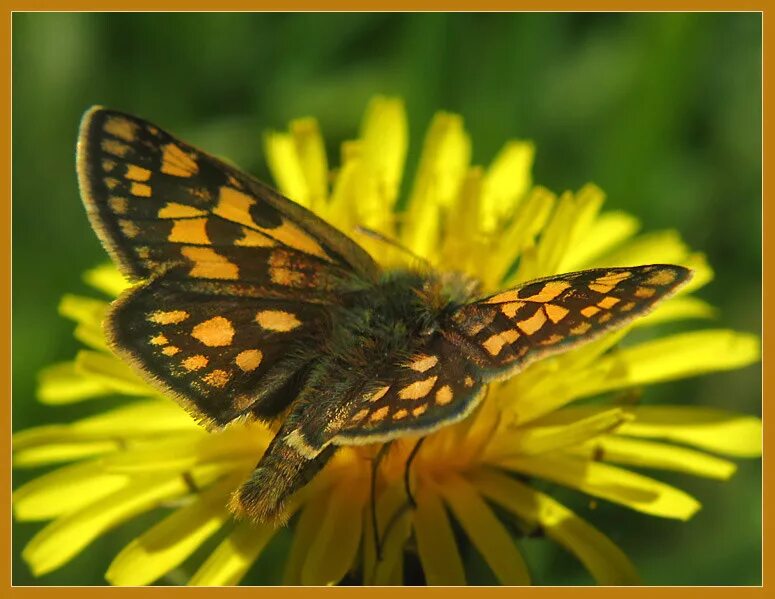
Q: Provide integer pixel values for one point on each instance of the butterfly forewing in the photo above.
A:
(505, 332)
(155, 201)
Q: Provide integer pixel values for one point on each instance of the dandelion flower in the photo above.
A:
(473, 482)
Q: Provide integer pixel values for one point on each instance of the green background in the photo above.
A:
(663, 111)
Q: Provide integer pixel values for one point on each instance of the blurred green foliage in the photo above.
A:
(663, 111)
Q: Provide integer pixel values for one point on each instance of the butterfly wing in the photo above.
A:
(436, 385)
(507, 331)
(155, 200)
(497, 336)
(238, 276)
(218, 355)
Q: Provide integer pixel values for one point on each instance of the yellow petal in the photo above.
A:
(167, 544)
(311, 152)
(541, 389)
(444, 161)
(714, 430)
(648, 454)
(677, 308)
(507, 181)
(62, 384)
(185, 450)
(487, 534)
(312, 515)
(571, 220)
(395, 526)
(635, 491)
(57, 453)
(702, 272)
(64, 490)
(384, 135)
(286, 168)
(529, 219)
(107, 279)
(230, 561)
(607, 231)
(461, 248)
(110, 371)
(673, 357)
(82, 309)
(64, 538)
(436, 545)
(540, 437)
(602, 558)
(658, 247)
(332, 551)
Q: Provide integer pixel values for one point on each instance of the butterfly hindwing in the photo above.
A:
(220, 356)
(155, 200)
(434, 386)
(506, 331)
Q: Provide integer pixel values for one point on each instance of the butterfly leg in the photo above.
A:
(407, 471)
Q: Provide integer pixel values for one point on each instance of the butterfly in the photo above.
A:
(248, 304)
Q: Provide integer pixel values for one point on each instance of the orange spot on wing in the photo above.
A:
(600, 288)
(510, 310)
(378, 394)
(379, 414)
(532, 324)
(293, 236)
(159, 340)
(423, 362)
(215, 332)
(120, 127)
(195, 362)
(277, 320)
(287, 277)
(249, 359)
(418, 389)
(175, 210)
(140, 190)
(420, 410)
(590, 311)
(190, 230)
(444, 395)
(209, 264)
(581, 328)
(400, 414)
(252, 238)
(359, 415)
(176, 162)
(168, 316)
(608, 302)
(662, 277)
(555, 313)
(645, 292)
(235, 206)
(115, 147)
(216, 378)
(170, 350)
(495, 343)
(118, 204)
(137, 173)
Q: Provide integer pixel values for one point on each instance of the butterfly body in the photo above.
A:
(248, 304)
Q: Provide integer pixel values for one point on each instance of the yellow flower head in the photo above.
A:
(492, 224)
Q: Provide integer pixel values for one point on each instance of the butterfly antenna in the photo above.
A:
(393, 243)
